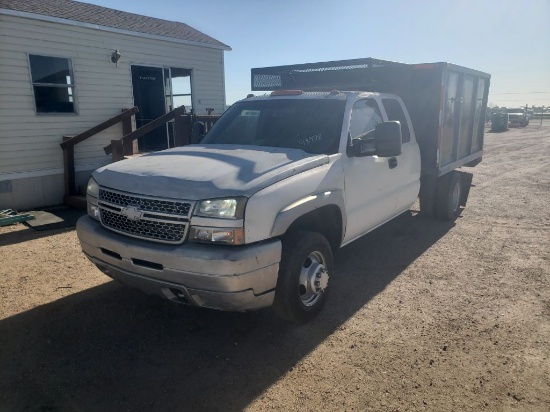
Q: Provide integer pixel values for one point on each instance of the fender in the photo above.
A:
(307, 204)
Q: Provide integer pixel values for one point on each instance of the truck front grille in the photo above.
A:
(147, 229)
(145, 203)
(144, 217)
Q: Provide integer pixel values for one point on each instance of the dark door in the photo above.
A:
(148, 86)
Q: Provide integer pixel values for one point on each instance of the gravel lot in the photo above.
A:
(423, 315)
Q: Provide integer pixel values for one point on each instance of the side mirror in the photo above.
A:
(197, 132)
(384, 141)
(362, 145)
(388, 139)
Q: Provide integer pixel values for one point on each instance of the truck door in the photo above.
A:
(406, 174)
(371, 197)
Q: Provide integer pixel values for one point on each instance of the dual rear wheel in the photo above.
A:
(449, 196)
(445, 196)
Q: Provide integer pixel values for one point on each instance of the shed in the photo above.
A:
(66, 66)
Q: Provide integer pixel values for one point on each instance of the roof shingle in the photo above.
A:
(103, 16)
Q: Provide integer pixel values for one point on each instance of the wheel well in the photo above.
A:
(326, 220)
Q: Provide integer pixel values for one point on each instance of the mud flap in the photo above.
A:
(427, 195)
(466, 183)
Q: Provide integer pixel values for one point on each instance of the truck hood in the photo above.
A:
(206, 171)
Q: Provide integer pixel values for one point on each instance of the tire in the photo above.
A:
(449, 194)
(427, 206)
(304, 271)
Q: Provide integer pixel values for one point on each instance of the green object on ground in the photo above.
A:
(9, 217)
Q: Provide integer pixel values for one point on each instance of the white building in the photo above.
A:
(67, 66)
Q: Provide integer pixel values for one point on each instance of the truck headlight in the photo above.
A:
(92, 193)
(218, 235)
(230, 208)
(93, 188)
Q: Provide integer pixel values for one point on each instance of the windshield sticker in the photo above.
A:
(309, 140)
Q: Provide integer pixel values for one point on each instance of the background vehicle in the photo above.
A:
(499, 121)
(518, 117)
(250, 217)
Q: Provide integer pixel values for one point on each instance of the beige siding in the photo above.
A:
(30, 142)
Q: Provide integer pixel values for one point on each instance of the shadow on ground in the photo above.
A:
(22, 236)
(110, 348)
(47, 222)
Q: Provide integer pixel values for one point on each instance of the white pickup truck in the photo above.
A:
(250, 217)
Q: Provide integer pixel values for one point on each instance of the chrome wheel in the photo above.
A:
(302, 286)
(313, 278)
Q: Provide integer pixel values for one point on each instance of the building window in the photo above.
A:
(53, 84)
(181, 88)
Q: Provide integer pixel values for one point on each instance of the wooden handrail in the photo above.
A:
(99, 128)
(142, 131)
(69, 143)
(183, 125)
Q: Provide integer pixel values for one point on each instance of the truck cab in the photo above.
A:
(273, 169)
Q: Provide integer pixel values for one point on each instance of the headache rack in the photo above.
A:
(367, 74)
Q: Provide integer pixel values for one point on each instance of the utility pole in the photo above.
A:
(541, 115)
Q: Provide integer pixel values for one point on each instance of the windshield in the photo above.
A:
(313, 125)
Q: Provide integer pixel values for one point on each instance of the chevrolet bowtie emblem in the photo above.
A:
(132, 213)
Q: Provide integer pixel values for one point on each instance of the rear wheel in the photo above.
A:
(305, 269)
(449, 194)
(427, 206)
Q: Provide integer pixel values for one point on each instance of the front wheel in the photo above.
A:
(304, 272)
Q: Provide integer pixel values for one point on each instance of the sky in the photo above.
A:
(508, 39)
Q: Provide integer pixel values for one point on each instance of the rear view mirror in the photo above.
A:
(198, 132)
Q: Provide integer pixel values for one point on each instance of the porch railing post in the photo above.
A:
(117, 147)
(69, 169)
(182, 128)
(128, 126)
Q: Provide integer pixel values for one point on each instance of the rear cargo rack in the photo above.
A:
(367, 74)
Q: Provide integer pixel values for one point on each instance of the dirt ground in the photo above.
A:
(423, 315)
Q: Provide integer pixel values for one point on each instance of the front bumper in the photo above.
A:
(235, 278)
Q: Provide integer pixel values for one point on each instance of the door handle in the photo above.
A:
(392, 162)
